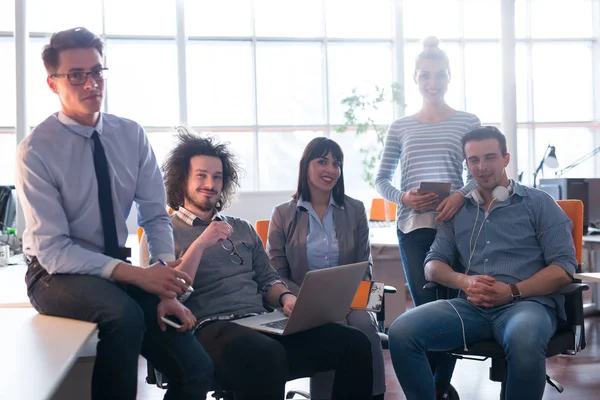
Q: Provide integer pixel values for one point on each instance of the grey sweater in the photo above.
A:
(222, 287)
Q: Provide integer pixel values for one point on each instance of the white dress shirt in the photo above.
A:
(57, 188)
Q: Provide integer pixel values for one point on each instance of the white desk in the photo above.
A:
(387, 267)
(588, 276)
(13, 291)
(37, 352)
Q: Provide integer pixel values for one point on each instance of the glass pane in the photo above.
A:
(571, 144)
(214, 18)
(561, 18)
(220, 83)
(52, 16)
(563, 84)
(144, 93)
(243, 146)
(483, 88)
(359, 18)
(139, 17)
(521, 18)
(424, 18)
(523, 83)
(354, 171)
(290, 83)
(162, 143)
(454, 97)
(8, 94)
(476, 25)
(7, 16)
(347, 71)
(8, 146)
(298, 18)
(41, 101)
(525, 162)
(278, 158)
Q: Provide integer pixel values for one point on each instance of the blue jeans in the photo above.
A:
(522, 328)
(127, 327)
(414, 246)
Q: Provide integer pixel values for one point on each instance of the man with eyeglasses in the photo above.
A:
(233, 279)
(78, 174)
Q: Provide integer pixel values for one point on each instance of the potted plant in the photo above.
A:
(360, 114)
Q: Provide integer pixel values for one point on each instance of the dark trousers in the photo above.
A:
(414, 246)
(258, 365)
(127, 327)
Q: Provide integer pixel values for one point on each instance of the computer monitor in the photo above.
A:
(8, 207)
(585, 189)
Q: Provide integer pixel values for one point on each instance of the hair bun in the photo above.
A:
(430, 42)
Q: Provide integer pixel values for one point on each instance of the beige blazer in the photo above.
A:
(288, 230)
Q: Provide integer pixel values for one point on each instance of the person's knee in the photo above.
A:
(200, 372)
(262, 362)
(125, 321)
(401, 333)
(357, 340)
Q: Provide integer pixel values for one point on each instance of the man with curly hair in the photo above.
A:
(233, 278)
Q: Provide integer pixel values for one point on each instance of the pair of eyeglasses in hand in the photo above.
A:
(234, 255)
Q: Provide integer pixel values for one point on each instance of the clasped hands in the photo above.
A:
(485, 291)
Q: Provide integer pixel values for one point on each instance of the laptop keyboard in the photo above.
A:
(279, 324)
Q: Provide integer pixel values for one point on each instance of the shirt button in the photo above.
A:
(486, 260)
(487, 221)
(488, 242)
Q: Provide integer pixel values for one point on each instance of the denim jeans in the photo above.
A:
(414, 246)
(127, 327)
(522, 328)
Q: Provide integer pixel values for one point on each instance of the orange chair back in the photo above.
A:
(574, 210)
(140, 230)
(378, 210)
(262, 228)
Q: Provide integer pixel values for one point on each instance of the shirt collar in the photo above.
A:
(306, 204)
(518, 189)
(76, 127)
(193, 220)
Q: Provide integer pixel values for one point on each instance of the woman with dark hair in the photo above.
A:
(321, 227)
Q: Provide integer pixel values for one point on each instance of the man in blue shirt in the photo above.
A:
(78, 174)
(516, 246)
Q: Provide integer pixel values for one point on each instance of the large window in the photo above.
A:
(267, 76)
(554, 70)
(556, 77)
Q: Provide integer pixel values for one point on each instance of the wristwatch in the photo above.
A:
(515, 292)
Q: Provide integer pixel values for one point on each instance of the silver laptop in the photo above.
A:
(325, 296)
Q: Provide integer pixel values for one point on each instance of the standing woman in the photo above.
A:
(319, 228)
(428, 147)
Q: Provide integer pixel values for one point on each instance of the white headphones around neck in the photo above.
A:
(500, 194)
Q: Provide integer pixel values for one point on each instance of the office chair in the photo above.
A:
(569, 339)
(378, 210)
(262, 228)
(7, 208)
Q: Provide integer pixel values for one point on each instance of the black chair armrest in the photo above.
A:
(573, 288)
(389, 289)
(432, 286)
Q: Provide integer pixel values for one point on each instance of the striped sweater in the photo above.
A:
(426, 152)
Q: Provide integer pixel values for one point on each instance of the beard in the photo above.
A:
(202, 203)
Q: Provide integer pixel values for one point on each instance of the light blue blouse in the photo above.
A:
(322, 249)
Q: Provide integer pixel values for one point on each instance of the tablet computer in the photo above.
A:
(442, 189)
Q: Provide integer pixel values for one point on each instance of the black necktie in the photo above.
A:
(109, 227)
